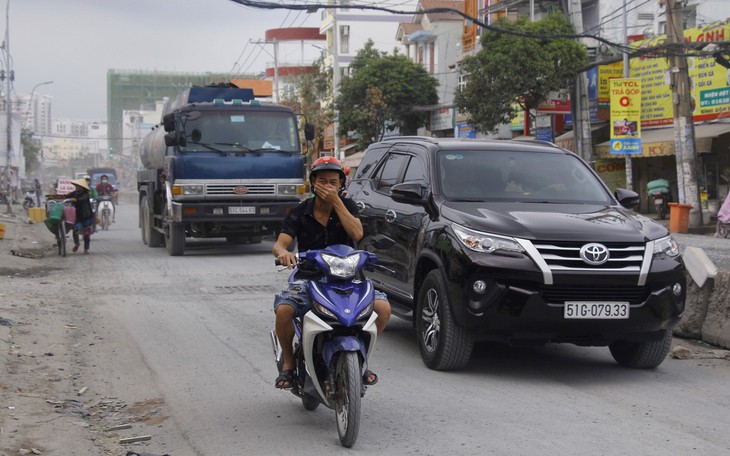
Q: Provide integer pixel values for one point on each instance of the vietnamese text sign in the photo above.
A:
(707, 79)
(625, 115)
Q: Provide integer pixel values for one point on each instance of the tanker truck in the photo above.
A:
(221, 164)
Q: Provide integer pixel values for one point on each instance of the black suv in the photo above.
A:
(516, 241)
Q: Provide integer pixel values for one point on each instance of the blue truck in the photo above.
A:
(221, 164)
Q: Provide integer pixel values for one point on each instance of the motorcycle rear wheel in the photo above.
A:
(348, 384)
(723, 229)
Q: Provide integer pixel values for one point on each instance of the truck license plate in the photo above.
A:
(596, 310)
(241, 210)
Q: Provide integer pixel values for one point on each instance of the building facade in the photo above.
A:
(432, 40)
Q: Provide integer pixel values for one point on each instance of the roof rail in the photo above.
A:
(420, 138)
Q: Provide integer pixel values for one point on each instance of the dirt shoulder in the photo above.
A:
(70, 383)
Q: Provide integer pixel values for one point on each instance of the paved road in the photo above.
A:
(194, 331)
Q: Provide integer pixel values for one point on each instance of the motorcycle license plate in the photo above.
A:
(242, 210)
(658, 201)
(596, 310)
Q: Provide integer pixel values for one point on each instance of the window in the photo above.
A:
(415, 172)
(344, 39)
(390, 171)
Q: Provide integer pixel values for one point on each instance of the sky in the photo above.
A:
(74, 42)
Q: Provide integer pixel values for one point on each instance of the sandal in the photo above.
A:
(366, 378)
(285, 380)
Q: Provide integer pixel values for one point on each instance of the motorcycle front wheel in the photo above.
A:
(348, 381)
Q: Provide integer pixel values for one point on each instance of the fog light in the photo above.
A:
(677, 289)
(479, 286)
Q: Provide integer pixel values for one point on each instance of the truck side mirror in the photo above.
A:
(168, 121)
(171, 139)
(309, 132)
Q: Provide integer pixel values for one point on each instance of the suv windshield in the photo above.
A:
(518, 176)
(225, 131)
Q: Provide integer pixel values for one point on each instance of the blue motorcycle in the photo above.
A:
(334, 339)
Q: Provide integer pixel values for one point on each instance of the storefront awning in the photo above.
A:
(659, 142)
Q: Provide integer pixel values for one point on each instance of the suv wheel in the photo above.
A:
(444, 344)
(642, 355)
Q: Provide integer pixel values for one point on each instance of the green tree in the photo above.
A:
(31, 151)
(383, 89)
(522, 69)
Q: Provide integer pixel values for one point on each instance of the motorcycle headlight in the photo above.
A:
(343, 268)
(667, 246)
(319, 308)
(366, 311)
(485, 242)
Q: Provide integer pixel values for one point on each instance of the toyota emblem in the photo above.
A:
(594, 254)
(240, 189)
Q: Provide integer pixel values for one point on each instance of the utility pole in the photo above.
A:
(10, 75)
(336, 82)
(582, 122)
(275, 94)
(627, 73)
(684, 127)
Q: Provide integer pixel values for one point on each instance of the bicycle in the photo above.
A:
(61, 217)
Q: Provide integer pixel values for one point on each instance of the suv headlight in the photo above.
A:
(667, 246)
(343, 268)
(485, 242)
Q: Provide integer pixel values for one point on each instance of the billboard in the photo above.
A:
(626, 111)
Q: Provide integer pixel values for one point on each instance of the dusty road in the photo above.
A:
(177, 348)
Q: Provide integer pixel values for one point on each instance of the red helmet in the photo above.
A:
(327, 164)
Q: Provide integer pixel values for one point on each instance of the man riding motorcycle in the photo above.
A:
(104, 188)
(325, 219)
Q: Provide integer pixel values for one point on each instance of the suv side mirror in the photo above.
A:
(409, 193)
(627, 198)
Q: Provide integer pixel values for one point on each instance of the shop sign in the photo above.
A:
(625, 116)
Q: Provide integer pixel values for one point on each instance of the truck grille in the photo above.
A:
(252, 189)
(565, 256)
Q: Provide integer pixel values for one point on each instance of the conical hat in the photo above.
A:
(81, 183)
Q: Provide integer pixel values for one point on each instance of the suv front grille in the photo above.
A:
(565, 256)
(253, 189)
(558, 294)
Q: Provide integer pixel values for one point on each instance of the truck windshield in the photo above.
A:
(227, 131)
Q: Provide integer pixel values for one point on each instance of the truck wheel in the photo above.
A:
(642, 355)
(443, 343)
(152, 237)
(175, 239)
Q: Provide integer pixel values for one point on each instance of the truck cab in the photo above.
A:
(220, 164)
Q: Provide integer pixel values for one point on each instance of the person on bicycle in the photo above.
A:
(104, 188)
(325, 219)
(81, 198)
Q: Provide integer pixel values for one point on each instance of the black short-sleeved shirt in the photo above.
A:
(310, 234)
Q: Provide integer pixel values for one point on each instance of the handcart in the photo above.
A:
(60, 219)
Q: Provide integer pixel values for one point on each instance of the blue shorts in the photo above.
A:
(297, 296)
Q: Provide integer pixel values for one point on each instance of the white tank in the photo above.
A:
(152, 150)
